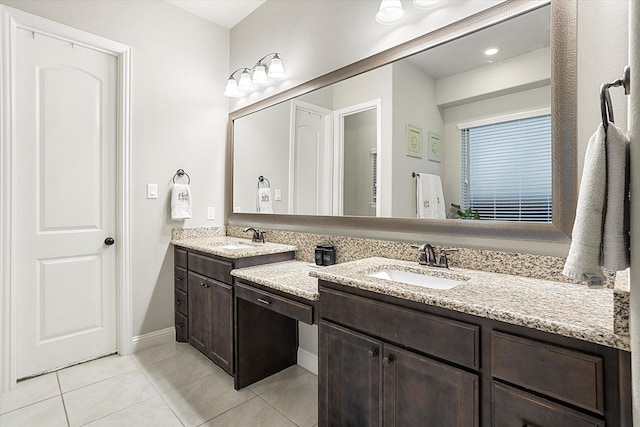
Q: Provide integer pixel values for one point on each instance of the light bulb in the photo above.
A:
(245, 81)
(276, 69)
(390, 12)
(491, 51)
(231, 90)
(260, 75)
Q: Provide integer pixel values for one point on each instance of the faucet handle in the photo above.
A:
(443, 261)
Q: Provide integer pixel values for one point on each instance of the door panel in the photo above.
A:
(66, 175)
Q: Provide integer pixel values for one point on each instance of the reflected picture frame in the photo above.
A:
(414, 141)
(433, 145)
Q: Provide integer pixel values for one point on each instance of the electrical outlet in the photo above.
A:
(152, 191)
(211, 213)
(278, 195)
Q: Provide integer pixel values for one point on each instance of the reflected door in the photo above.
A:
(310, 160)
(66, 203)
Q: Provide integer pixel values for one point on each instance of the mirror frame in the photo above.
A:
(564, 131)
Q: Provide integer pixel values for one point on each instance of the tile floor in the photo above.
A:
(170, 385)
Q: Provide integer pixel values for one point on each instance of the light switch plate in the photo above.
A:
(278, 194)
(211, 213)
(152, 191)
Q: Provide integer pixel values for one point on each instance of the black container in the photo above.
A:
(329, 255)
(319, 255)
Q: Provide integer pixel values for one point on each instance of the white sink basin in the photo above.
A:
(237, 246)
(416, 279)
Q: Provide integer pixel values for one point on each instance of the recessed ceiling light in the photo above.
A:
(491, 51)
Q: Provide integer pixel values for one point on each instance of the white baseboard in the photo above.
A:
(308, 361)
(153, 339)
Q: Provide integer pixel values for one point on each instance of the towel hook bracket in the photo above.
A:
(179, 174)
(606, 107)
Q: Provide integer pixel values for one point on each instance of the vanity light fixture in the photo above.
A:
(490, 51)
(390, 12)
(260, 75)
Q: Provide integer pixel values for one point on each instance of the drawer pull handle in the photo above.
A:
(179, 279)
(373, 354)
(386, 361)
(264, 301)
(178, 302)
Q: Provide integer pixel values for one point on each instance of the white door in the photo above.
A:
(66, 182)
(310, 160)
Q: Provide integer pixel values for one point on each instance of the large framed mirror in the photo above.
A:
(349, 149)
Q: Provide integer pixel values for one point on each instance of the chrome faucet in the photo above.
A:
(258, 236)
(428, 256)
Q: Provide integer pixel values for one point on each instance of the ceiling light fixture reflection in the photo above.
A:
(425, 4)
(260, 75)
(390, 12)
(491, 51)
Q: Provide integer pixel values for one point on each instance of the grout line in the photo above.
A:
(230, 409)
(119, 410)
(278, 411)
(64, 405)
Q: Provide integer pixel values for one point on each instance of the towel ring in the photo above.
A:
(180, 173)
(606, 108)
(261, 180)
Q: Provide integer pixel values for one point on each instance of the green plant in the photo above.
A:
(468, 214)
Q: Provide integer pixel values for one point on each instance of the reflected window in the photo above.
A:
(506, 170)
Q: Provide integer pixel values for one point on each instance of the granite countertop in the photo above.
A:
(291, 277)
(565, 309)
(232, 247)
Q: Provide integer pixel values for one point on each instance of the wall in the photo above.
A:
(179, 66)
(360, 137)
(262, 148)
(414, 103)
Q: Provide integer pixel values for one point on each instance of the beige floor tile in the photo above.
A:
(48, 413)
(157, 354)
(30, 391)
(150, 413)
(297, 399)
(178, 371)
(277, 379)
(97, 400)
(94, 371)
(205, 398)
(254, 413)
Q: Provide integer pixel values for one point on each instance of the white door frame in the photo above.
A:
(10, 21)
(338, 156)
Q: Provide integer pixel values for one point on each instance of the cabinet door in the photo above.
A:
(220, 299)
(349, 378)
(198, 307)
(419, 391)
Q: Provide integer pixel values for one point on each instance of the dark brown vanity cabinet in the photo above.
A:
(366, 380)
(387, 361)
(204, 311)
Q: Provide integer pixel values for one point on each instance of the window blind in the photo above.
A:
(506, 170)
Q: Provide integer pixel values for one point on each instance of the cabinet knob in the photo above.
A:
(179, 278)
(373, 354)
(178, 302)
(179, 326)
(204, 285)
(386, 361)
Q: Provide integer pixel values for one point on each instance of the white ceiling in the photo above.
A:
(225, 13)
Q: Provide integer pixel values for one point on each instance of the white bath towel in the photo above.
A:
(180, 202)
(586, 237)
(265, 205)
(615, 237)
(429, 197)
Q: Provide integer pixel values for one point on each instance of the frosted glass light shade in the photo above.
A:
(245, 81)
(231, 90)
(260, 75)
(425, 4)
(276, 69)
(390, 12)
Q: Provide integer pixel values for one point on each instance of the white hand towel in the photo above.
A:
(615, 238)
(180, 202)
(429, 197)
(264, 200)
(586, 237)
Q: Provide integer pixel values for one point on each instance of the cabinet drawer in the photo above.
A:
(448, 339)
(211, 267)
(181, 302)
(284, 306)
(180, 257)
(182, 328)
(555, 371)
(513, 407)
(180, 278)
